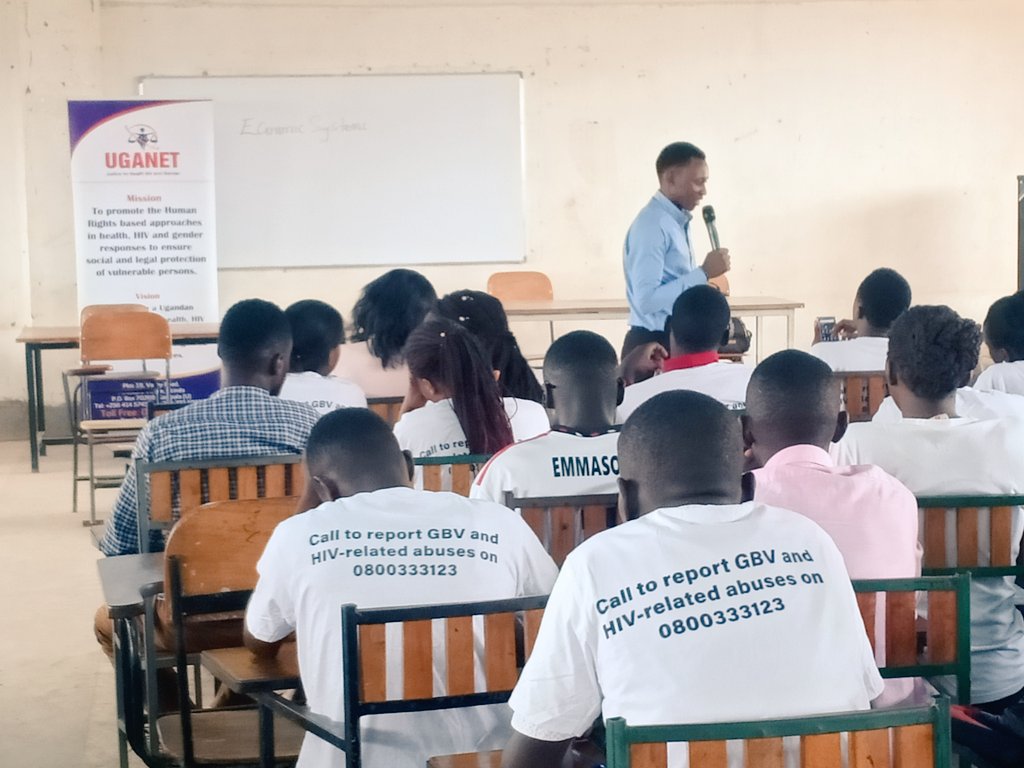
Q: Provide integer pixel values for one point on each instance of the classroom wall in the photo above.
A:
(841, 135)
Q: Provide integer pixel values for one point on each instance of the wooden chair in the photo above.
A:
(168, 489)
(109, 334)
(912, 737)
(861, 392)
(975, 520)
(210, 568)
(388, 408)
(99, 309)
(520, 286)
(947, 627)
(366, 661)
(562, 523)
(455, 472)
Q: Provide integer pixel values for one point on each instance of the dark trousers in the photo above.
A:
(637, 336)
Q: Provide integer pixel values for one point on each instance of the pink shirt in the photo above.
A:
(870, 515)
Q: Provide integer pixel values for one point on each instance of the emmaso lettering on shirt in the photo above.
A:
(584, 466)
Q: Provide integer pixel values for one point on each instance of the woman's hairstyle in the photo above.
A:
(446, 355)
(387, 311)
(933, 350)
(483, 316)
(317, 328)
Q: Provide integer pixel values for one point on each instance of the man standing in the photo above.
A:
(658, 255)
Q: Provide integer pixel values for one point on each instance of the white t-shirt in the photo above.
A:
(953, 457)
(314, 563)
(1002, 377)
(697, 614)
(434, 429)
(970, 402)
(323, 393)
(554, 464)
(864, 353)
(724, 381)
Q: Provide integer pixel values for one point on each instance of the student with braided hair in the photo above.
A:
(463, 410)
(483, 316)
(935, 450)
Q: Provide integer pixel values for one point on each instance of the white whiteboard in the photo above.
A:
(357, 170)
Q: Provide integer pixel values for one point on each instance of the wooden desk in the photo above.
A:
(38, 338)
(585, 310)
(243, 672)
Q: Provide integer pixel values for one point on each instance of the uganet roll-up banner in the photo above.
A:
(142, 178)
(143, 182)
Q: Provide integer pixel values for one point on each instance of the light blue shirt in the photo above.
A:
(658, 262)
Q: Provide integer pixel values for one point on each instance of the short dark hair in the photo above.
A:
(933, 350)
(682, 438)
(449, 357)
(250, 329)
(884, 295)
(387, 311)
(700, 318)
(484, 316)
(794, 397)
(677, 153)
(1004, 325)
(353, 440)
(584, 364)
(317, 328)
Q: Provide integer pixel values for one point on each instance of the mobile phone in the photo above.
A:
(827, 326)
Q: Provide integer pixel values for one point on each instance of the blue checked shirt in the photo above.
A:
(234, 422)
(658, 262)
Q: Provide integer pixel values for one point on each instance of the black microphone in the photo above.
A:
(709, 219)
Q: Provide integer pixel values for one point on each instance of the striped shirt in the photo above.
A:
(235, 422)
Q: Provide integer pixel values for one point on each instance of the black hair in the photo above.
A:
(1004, 325)
(794, 398)
(387, 311)
(932, 350)
(683, 439)
(483, 316)
(677, 153)
(700, 319)
(354, 440)
(446, 355)
(317, 328)
(884, 295)
(581, 355)
(250, 329)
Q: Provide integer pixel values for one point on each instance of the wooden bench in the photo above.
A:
(168, 489)
(388, 408)
(913, 737)
(862, 392)
(974, 521)
(450, 473)
(562, 523)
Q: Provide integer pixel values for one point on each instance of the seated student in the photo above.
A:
(882, 297)
(700, 609)
(578, 456)
(792, 416)
(483, 316)
(699, 323)
(383, 317)
(245, 418)
(1004, 335)
(317, 335)
(463, 411)
(359, 481)
(934, 450)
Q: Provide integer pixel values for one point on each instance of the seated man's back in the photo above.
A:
(379, 543)
(698, 326)
(703, 609)
(579, 456)
(245, 418)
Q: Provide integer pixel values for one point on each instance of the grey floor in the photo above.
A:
(56, 687)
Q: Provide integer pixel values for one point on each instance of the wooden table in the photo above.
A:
(586, 310)
(243, 672)
(38, 338)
